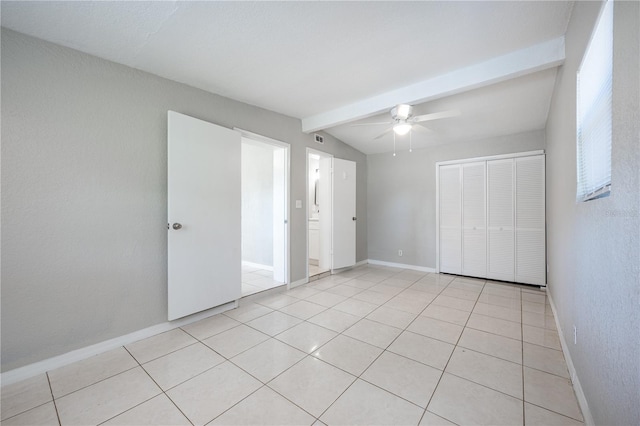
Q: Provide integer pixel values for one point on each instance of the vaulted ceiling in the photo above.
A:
(334, 64)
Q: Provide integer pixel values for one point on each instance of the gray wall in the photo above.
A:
(401, 195)
(257, 203)
(84, 201)
(593, 247)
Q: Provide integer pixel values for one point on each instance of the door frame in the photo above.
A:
(306, 218)
(287, 193)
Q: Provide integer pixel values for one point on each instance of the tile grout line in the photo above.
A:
(53, 399)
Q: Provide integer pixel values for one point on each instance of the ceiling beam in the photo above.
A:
(515, 64)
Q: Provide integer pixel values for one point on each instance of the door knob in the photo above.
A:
(353, 218)
(177, 226)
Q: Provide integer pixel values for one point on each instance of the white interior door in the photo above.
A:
(325, 213)
(344, 213)
(450, 193)
(474, 232)
(279, 215)
(204, 209)
(500, 221)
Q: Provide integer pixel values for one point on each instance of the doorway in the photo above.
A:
(264, 172)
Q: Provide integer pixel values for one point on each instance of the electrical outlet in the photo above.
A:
(575, 335)
(400, 253)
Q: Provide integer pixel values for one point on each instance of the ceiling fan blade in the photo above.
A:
(385, 132)
(435, 116)
(421, 128)
(370, 124)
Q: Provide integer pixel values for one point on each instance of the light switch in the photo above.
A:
(298, 204)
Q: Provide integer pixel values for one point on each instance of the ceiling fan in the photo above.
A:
(403, 120)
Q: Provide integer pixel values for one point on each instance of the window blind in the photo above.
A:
(594, 111)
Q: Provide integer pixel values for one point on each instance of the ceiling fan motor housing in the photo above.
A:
(402, 112)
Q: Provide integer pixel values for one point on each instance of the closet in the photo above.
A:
(491, 217)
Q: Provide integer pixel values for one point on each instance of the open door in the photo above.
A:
(344, 213)
(204, 208)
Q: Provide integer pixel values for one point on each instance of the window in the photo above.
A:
(594, 112)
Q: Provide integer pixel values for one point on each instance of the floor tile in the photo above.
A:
(541, 336)
(537, 416)
(157, 411)
(537, 298)
(278, 301)
(392, 317)
(208, 395)
(24, 395)
(507, 302)
(268, 359)
(495, 325)
(374, 277)
(264, 407)
(551, 392)
(496, 311)
(302, 292)
(474, 287)
(492, 344)
(181, 365)
(426, 287)
(274, 323)
(232, 342)
(355, 307)
(83, 373)
(492, 372)
(406, 304)
(430, 419)
(404, 377)
(423, 349)
(374, 333)
(501, 290)
(303, 309)
(159, 345)
(350, 355)
(373, 297)
(464, 402)
(409, 275)
(312, 384)
(326, 299)
(106, 399)
(421, 296)
(210, 326)
(358, 283)
(44, 415)
(365, 404)
(397, 282)
(436, 329)
(345, 290)
(461, 294)
(306, 336)
(538, 308)
(545, 359)
(334, 320)
(453, 302)
(248, 312)
(389, 290)
(539, 320)
(443, 313)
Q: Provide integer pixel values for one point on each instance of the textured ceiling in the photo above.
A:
(306, 58)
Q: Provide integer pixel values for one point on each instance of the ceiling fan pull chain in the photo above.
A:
(394, 144)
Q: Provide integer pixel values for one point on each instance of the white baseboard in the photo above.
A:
(257, 265)
(401, 265)
(577, 388)
(31, 370)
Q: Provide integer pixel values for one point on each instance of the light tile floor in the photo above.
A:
(369, 346)
(256, 280)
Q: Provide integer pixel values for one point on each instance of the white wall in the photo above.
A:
(593, 248)
(84, 201)
(257, 203)
(401, 195)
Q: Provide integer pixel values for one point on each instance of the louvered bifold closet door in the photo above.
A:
(450, 219)
(474, 232)
(500, 220)
(530, 220)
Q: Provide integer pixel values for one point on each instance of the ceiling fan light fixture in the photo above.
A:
(402, 128)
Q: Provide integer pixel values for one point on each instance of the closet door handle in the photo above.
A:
(177, 226)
